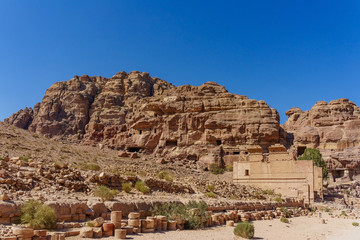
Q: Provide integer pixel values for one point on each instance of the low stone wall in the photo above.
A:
(77, 211)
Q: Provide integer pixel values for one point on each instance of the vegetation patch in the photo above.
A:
(211, 195)
(315, 155)
(180, 212)
(165, 175)
(284, 220)
(105, 193)
(126, 187)
(142, 187)
(24, 158)
(216, 169)
(355, 224)
(244, 230)
(38, 215)
(229, 168)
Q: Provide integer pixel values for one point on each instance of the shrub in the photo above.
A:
(278, 199)
(24, 158)
(179, 211)
(126, 187)
(355, 224)
(216, 169)
(315, 155)
(285, 210)
(105, 193)
(229, 168)
(244, 230)
(211, 188)
(38, 215)
(1, 158)
(90, 224)
(268, 192)
(92, 166)
(343, 213)
(284, 220)
(211, 195)
(166, 176)
(327, 209)
(142, 187)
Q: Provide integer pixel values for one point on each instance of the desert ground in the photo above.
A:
(299, 228)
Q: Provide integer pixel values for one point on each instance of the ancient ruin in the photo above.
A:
(279, 170)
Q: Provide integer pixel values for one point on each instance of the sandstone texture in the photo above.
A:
(134, 112)
(333, 128)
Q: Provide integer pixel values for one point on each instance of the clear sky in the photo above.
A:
(288, 53)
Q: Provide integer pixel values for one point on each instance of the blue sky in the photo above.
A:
(288, 53)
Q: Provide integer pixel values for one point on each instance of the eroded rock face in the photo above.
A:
(333, 128)
(138, 113)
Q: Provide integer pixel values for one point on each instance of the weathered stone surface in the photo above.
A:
(138, 113)
(333, 128)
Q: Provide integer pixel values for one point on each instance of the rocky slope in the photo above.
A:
(333, 128)
(138, 113)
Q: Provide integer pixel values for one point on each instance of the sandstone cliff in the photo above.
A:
(138, 113)
(333, 128)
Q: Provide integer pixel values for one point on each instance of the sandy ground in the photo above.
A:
(300, 228)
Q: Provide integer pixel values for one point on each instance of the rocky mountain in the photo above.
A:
(333, 128)
(135, 112)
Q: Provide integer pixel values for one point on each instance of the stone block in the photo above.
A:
(171, 226)
(116, 216)
(40, 233)
(134, 215)
(120, 234)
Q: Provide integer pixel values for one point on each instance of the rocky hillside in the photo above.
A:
(332, 127)
(138, 113)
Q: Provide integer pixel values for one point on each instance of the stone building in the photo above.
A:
(279, 170)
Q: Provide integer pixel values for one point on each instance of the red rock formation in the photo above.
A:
(136, 112)
(333, 128)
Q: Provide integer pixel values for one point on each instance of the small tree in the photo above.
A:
(38, 215)
(315, 155)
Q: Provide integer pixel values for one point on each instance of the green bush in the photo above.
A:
(278, 199)
(327, 209)
(229, 168)
(142, 187)
(244, 230)
(315, 155)
(268, 192)
(105, 193)
(211, 195)
(284, 220)
(211, 188)
(286, 211)
(216, 169)
(90, 224)
(355, 224)
(343, 213)
(126, 187)
(166, 176)
(38, 215)
(24, 158)
(179, 211)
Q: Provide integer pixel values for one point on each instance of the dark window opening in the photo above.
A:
(155, 130)
(236, 153)
(247, 172)
(171, 143)
(227, 153)
(140, 132)
(155, 115)
(300, 151)
(218, 142)
(134, 149)
(246, 153)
